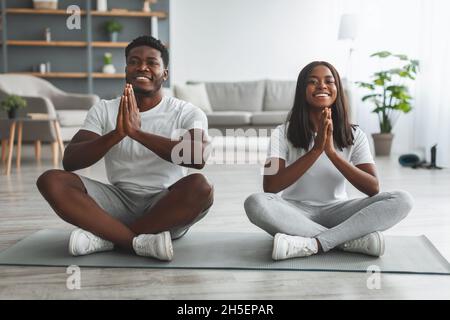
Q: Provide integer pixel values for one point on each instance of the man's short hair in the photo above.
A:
(151, 42)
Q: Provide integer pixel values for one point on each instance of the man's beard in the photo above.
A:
(157, 84)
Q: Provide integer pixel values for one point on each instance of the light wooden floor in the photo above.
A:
(23, 211)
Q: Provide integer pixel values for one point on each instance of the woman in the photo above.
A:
(309, 159)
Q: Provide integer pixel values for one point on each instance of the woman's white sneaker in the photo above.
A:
(285, 246)
(83, 242)
(157, 246)
(371, 244)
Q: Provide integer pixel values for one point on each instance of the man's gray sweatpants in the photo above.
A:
(331, 224)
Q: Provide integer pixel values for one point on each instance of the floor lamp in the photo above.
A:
(348, 29)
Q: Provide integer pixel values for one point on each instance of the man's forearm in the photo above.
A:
(165, 149)
(83, 154)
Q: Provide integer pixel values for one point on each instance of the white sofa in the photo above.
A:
(245, 104)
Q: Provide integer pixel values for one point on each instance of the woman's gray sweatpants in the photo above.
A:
(331, 224)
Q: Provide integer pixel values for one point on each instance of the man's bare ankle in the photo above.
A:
(319, 246)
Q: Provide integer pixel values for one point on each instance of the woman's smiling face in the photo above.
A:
(321, 90)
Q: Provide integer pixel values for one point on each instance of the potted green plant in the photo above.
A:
(113, 28)
(389, 94)
(108, 66)
(11, 104)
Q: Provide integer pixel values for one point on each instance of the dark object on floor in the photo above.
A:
(409, 160)
(433, 159)
(413, 160)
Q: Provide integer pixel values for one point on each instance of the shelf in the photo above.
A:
(118, 13)
(108, 44)
(55, 74)
(73, 75)
(39, 11)
(100, 75)
(36, 43)
(39, 43)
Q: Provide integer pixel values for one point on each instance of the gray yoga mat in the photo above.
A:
(230, 250)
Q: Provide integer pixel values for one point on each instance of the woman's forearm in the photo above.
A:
(278, 179)
(361, 180)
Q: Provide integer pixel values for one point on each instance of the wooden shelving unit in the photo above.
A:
(83, 44)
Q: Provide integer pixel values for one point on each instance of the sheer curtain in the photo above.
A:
(432, 116)
(383, 25)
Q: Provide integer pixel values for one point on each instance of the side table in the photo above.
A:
(19, 122)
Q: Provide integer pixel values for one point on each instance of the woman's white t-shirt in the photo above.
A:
(322, 183)
(131, 165)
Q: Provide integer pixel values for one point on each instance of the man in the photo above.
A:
(150, 200)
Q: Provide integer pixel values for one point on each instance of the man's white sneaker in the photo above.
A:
(285, 246)
(371, 244)
(158, 246)
(83, 242)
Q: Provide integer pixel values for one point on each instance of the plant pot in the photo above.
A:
(114, 36)
(382, 143)
(109, 68)
(12, 114)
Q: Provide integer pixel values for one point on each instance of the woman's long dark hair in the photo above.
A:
(299, 128)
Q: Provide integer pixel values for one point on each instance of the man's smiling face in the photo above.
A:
(145, 70)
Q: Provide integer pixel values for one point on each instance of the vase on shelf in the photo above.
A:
(146, 7)
(109, 68)
(113, 36)
(102, 5)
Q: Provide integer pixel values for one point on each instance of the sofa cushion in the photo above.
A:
(236, 96)
(279, 95)
(229, 118)
(195, 94)
(269, 117)
(71, 118)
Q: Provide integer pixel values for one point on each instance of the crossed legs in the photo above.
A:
(331, 225)
(182, 204)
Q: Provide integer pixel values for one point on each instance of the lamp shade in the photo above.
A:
(348, 27)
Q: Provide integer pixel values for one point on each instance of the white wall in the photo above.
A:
(232, 40)
(248, 39)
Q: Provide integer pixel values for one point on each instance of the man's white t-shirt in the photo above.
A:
(322, 183)
(131, 165)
